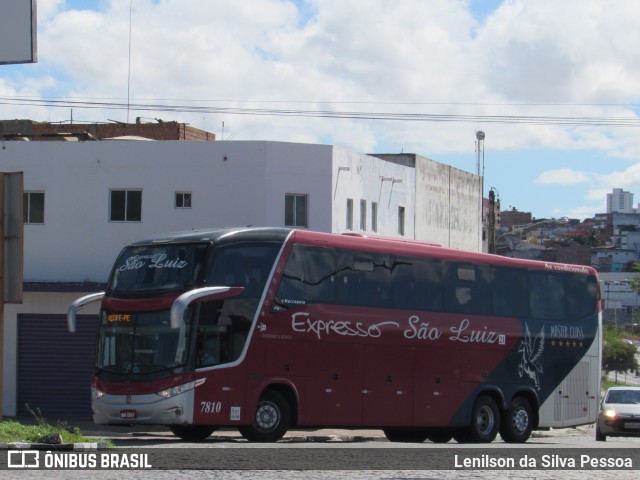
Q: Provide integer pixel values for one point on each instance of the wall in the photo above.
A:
(448, 205)
(78, 243)
(298, 169)
(363, 177)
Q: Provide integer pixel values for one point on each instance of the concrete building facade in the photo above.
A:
(620, 201)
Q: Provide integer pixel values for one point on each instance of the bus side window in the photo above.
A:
(582, 293)
(547, 295)
(363, 279)
(467, 288)
(242, 265)
(416, 283)
(291, 290)
(308, 277)
(320, 269)
(510, 292)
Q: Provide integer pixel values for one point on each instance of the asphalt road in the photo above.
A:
(360, 454)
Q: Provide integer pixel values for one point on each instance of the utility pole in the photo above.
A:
(492, 219)
(11, 253)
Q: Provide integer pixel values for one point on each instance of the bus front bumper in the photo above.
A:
(148, 409)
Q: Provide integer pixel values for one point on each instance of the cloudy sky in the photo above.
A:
(555, 85)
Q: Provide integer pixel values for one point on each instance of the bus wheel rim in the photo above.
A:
(520, 420)
(485, 419)
(267, 416)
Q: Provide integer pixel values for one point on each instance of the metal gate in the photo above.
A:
(55, 367)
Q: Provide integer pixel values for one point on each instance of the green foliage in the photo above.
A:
(13, 431)
(632, 266)
(617, 355)
(635, 280)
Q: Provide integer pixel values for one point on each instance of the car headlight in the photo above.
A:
(178, 389)
(610, 413)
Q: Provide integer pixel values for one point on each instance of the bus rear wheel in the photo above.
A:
(517, 423)
(485, 422)
(271, 421)
(407, 435)
(192, 433)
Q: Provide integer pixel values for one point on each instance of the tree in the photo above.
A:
(632, 266)
(617, 355)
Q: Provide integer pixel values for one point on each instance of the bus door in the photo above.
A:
(388, 385)
(334, 389)
(216, 347)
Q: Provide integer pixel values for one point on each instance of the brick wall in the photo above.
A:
(155, 131)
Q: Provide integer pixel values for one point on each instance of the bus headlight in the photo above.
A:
(95, 393)
(178, 389)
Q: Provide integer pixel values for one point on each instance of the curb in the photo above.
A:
(57, 447)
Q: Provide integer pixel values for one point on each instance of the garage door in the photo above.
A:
(55, 367)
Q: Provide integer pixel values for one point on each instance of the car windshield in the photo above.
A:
(149, 268)
(623, 396)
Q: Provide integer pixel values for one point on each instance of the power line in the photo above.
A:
(334, 114)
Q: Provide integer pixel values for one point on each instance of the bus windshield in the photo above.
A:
(149, 268)
(141, 343)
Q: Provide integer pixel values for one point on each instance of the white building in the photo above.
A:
(620, 201)
(84, 201)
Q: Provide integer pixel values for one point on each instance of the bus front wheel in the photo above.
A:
(192, 433)
(271, 421)
(517, 423)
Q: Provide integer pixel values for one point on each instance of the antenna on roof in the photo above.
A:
(129, 68)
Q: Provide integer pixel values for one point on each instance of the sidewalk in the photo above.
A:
(142, 432)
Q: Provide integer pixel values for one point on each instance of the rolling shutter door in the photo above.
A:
(55, 367)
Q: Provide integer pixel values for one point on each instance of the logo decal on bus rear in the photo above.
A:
(531, 361)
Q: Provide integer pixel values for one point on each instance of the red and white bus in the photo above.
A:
(267, 329)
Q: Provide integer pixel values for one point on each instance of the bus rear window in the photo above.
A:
(157, 267)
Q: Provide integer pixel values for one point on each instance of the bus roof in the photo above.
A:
(357, 241)
(219, 234)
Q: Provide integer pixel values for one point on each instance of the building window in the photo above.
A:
(374, 216)
(349, 214)
(183, 199)
(295, 210)
(33, 207)
(125, 206)
(401, 221)
(363, 215)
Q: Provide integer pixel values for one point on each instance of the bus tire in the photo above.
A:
(517, 422)
(192, 433)
(271, 421)
(406, 435)
(485, 422)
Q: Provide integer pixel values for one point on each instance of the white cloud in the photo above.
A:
(562, 176)
(353, 56)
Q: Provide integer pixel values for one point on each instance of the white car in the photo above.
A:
(619, 414)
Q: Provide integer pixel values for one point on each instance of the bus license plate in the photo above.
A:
(126, 414)
(632, 425)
